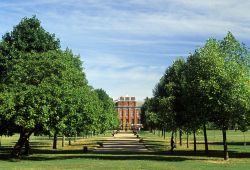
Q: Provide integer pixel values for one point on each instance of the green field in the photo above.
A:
(72, 157)
(235, 141)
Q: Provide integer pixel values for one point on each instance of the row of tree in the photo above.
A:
(211, 86)
(43, 89)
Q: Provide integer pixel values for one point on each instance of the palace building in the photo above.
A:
(129, 112)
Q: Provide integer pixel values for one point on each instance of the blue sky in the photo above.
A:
(126, 45)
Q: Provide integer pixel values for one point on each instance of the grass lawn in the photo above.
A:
(235, 141)
(121, 162)
(72, 157)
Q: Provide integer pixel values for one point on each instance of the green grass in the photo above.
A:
(72, 157)
(114, 162)
(45, 142)
(131, 164)
(235, 141)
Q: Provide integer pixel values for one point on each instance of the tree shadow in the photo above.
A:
(96, 156)
(44, 155)
(228, 143)
(211, 153)
(40, 154)
(5, 149)
(176, 156)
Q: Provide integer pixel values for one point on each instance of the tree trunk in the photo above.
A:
(70, 141)
(164, 134)
(24, 135)
(175, 138)
(172, 142)
(205, 138)
(63, 140)
(224, 132)
(55, 141)
(194, 141)
(27, 147)
(187, 141)
(180, 133)
(1, 140)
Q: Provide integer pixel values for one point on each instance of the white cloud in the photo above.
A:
(125, 44)
(179, 17)
(120, 77)
(132, 81)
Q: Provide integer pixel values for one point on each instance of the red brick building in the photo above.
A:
(129, 112)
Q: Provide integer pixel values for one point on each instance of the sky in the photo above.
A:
(126, 45)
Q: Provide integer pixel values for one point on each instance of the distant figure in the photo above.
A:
(113, 133)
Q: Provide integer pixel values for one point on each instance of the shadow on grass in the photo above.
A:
(212, 153)
(153, 145)
(44, 155)
(39, 154)
(177, 156)
(229, 143)
(7, 157)
(115, 157)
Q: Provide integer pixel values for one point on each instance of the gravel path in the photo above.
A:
(123, 142)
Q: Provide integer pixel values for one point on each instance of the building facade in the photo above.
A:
(129, 113)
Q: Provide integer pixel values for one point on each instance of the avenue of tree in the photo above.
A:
(210, 87)
(44, 90)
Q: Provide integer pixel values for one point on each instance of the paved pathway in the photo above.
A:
(123, 142)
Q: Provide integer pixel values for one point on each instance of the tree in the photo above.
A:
(66, 114)
(175, 78)
(213, 86)
(218, 85)
(37, 82)
(169, 93)
(202, 72)
(233, 103)
(148, 114)
(83, 112)
(108, 116)
(169, 100)
(28, 36)
(42, 85)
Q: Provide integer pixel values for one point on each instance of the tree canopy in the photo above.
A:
(44, 89)
(211, 86)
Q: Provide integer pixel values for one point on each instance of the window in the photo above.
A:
(132, 115)
(138, 113)
(126, 114)
(120, 115)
